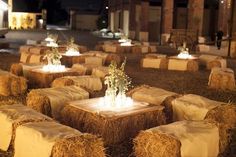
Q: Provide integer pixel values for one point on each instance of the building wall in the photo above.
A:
(86, 22)
(20, 20)
(154, 23)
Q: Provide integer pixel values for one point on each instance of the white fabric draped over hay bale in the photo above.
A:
(192, 107)
(114, 126)
(88, 82)
(51, 101)
(51, 139)
(179, 139)
(182, 64)
(11, 84)
(157, 63)
(222, 78)
(150, 94)
(100, 72)
(12, 116)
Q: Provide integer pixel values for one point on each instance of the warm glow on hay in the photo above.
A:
(121, 103)
(54, 68)
(184, 55)
(72, 52)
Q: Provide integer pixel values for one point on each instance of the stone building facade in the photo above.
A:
(141, 20)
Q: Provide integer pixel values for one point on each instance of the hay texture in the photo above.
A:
(39, 50)
(155, 55)
(222, 78)
(185, 138)
(182, 64)
(91, 83)
(25, 48)
(113, 127)
(140, 49)
(39, 78)
(11, 117)
(84, 69)
(51, 101)
(17, 69)
(156, 63)
(11, 84)
(205, 59)
(31, 58)
(51, 139)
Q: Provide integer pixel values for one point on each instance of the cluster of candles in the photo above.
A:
(72, 52)
(53, 68)
(51, 42)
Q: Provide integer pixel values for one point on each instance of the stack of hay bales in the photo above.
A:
(23, 127)
(155, 61)
(51, 139)
(182, 64)
(11, 84)
(179, 139)
(91, 83)
(222, 78)
(20, 69)
(140, 49)
(50, 101)
(211, 61)
(11, 117)
(31, 58)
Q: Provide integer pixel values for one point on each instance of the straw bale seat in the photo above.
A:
(51, 139)
(31, 58)
(11, 84)
(21, 69)
(100, 72)
(11, 117)
(91, 83)
(179, 139)
(114, 126)
(211, 61)
(140, 49)
(182, 64)
(157, 63)
(50, 101)
(222, 78)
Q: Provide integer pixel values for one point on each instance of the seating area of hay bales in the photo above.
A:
(161, 122)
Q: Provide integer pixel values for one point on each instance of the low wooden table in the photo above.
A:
(41, 79)
(114, 126)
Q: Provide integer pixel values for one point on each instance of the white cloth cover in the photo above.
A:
(151, 95)
(61, 95)
(94, 61)
(89, 82)
(192, 107)
(178, 64)
(151, 63)
(10, 114)
(37, 139)
(198, 138)
(100, 72)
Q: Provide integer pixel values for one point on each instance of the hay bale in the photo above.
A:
(222, 78)
(39, 50)
(88, 82)
(204, 59)
(100, 72)
(178, 139)
(50, 101)
(155, 55)
(152, 48)
(11, 117)
(55, 140)
(36, 59)
(25, 48)
(225, 116)
(63, 81)
(157, 63)
(84, 69)
(113, 58)
(90, 146)
(79, 59)
(114, 127)
(83, 49)
(11, 84)
(93, 60)
(219, 63)
(16, 69)
(182, 64)
(140, 49)
(24, 57)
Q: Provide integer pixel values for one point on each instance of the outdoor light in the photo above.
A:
(72, 52)
(3, 6)
(54, 68)
(106, 7)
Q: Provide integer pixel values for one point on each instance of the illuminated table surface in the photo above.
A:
(115, 126)
(42, 79)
